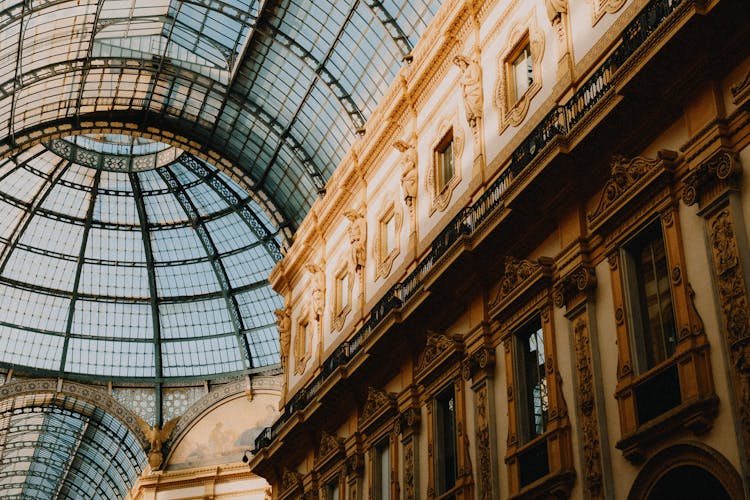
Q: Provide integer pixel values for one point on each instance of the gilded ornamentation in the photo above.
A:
(590, 433)
(157, 437)
(626, 175)
(409, 174)
(484, 477)
(735, 308)
(357, 238)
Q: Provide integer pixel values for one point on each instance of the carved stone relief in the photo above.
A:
(317, 289)
(409, 173)
(357, 238)
(735, 309)
(592, 473)
(470, 81)
(484, 457)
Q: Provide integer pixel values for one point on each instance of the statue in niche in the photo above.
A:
(471, 87)
(357, 237)
(409, 176)
(318, 289)
(284, 324)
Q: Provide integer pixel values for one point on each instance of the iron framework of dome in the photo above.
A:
(149, 265)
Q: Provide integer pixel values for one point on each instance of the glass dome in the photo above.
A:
(138, 266)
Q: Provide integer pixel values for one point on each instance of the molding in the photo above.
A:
(741, 91)
(379, 406)
(703, 183)
(440, 349)
(522, 279)
(440, 200)
(627, 183)
(331, 448)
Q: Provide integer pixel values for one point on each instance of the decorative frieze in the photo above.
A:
(714, 173)
(574, 286)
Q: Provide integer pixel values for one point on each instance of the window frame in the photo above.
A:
(448, 131)
(384, 253)
(342, 290)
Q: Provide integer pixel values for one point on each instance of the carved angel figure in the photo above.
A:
(409, 176)
(471, 87)
(157, 436)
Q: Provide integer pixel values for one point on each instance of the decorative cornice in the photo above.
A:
(379, 405)
(439, 350)
(628, 178)
(721, 168)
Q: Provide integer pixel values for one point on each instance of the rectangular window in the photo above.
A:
(444, 161)
(388, 236)
(382, 471)
(332, 491)
(342, 291)
(532, 381)
(650, 298)
(445, 440)
(522, 69)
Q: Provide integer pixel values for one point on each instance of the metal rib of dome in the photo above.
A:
(142, 274)
(278, 87)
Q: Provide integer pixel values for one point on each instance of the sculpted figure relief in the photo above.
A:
(409, 176)
(471, 87)
(357, 237)
(284, 324)
(555, 8)
(318, 289)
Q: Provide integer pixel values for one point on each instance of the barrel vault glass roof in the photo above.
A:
(64, 448)
(278, 87)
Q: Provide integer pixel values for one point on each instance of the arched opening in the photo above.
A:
(687, 471)
(688, 481)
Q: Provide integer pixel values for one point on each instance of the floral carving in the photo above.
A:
(735, 309)
(581, 280)
(484, 478)
(378, 402)
(625, 177)
(437, 345)
(409, 486)
(591, 450)
(516, 272)
(481, 359)
(290, 481)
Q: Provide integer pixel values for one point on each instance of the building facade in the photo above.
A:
(529, 276)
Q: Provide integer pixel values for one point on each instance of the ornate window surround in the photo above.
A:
(339, 314)
(523, 33)
(330, 464)
(301, 358)
(525, 291)
(384, 262)
(440, 198)
(377, 422)
(438, 367)
(639, 191)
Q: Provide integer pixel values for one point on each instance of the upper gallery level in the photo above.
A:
(490, 122)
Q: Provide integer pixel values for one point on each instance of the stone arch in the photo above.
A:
(89, 394)
(227, 393)
(692, 455)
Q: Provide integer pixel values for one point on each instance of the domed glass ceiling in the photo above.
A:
(143, 266)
